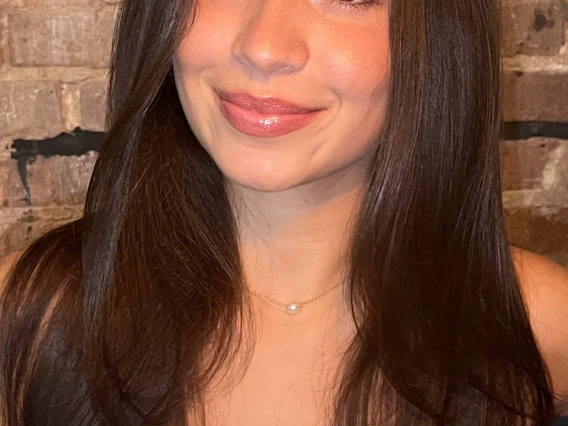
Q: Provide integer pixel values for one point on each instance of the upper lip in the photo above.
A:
(264, 105)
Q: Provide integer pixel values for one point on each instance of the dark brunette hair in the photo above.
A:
(124, 316)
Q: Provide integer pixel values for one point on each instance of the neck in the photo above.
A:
(294, 243)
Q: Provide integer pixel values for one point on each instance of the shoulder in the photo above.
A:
(544, 285)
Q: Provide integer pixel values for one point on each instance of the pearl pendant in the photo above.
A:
(293, 308)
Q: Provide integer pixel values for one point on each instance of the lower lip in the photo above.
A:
(264, 125)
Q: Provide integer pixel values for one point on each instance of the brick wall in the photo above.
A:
(535, 147)
(54, 56)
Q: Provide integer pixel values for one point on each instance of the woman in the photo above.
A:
(295, 218)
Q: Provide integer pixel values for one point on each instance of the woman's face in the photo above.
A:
(330, 59)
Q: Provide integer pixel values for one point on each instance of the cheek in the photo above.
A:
(357, 69)
(357, 62)
(195, 60)
(356, 66)
(203, 43)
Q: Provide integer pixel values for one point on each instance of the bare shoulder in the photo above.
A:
(544, 284)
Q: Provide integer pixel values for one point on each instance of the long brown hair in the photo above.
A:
(124, 316)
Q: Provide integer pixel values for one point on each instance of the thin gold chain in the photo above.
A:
(301, 304)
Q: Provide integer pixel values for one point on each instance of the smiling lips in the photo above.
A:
(266, 117)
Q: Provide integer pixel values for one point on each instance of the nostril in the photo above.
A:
(269, 46)
(263, 67)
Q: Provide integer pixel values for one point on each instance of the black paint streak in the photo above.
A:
(76, 143)
(23, 171)
(529, 129)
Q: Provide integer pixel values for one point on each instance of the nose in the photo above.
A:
(271, 40)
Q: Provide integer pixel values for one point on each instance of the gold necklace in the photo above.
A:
(292, 308)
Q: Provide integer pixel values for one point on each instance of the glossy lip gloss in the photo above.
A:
(265, 117)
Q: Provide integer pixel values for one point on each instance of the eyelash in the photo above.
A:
(359, 6)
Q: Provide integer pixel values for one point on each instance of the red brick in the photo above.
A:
(21, 225)
(533, 27)
(40, 181)
(3, 34)
(92, 104)
(524, 162)
(30, 109)
(12, 192)
(539, 230)
(17, 235)
(42, 38)
(59, 180)
(58, 3)
(71, 179)
(535, 96)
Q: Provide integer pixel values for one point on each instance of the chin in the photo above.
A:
(267, 182)
(266, 173)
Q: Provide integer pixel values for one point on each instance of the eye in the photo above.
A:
(357, 4)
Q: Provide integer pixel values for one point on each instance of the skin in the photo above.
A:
(298, 191)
